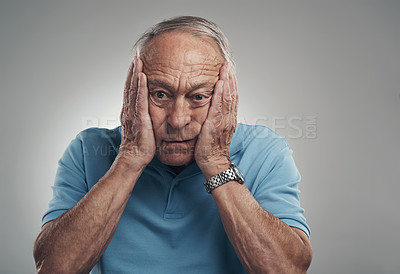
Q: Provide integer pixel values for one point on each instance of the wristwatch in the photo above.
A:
(231, 174)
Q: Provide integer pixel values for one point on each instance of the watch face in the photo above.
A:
(238, 174)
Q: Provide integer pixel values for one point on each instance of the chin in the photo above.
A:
(175, 159)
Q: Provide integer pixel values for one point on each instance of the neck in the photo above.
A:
(178, 169)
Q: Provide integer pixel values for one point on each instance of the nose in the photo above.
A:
(179, 114)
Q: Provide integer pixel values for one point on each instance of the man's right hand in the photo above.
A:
(137, 135)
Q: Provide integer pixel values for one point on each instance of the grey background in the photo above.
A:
(323, 74)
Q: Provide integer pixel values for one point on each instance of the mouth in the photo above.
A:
(178, 141)
(169, 143)
(177, 146)
(174, 143)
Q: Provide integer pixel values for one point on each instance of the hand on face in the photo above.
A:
(137, 136)
(212, 147)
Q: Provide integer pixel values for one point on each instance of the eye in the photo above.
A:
(160, 94)
(199, 97)
(160, 98)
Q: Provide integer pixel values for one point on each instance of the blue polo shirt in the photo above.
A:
(170, 223)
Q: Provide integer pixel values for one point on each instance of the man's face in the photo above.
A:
(181, 70)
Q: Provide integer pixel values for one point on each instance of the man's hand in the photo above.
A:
(212, 147)
(137, 135)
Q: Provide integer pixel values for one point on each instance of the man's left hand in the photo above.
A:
(212, 147)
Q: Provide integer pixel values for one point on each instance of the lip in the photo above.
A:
(177, 146)
(177, 140)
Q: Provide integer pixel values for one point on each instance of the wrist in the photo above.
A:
(122, 177)
(226, 176)
(126, 163)
(213, 169)
(133, 159)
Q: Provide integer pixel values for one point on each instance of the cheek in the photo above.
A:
(200, 114)
(203, 112)
(157, 115)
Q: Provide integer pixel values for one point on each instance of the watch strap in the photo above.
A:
(228, 175)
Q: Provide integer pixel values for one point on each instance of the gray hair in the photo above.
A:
(195, 25)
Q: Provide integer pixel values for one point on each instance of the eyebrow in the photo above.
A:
(164, 85)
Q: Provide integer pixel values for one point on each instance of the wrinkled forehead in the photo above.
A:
(182, 51)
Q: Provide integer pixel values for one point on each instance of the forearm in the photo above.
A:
(75, 241)
(263, 243)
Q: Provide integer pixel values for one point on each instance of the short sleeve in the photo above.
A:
(70, 183)
(278, 191)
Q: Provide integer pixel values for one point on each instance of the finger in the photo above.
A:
(229, 78)
(234, 90)
(128, 83)
(137, 70)
(142, 104)
(129, 76)
(235, 99)
(134, 86)
(216, 101)
(223, 72)
(227, 95)
(125, 99)
(234, 84)
(236, 93)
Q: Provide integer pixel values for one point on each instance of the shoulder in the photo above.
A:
(258, 139)
(95, 142)
(259, 152)
(99, 133)
(100, 137)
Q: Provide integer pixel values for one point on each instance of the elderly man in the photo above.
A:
(144, 206)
